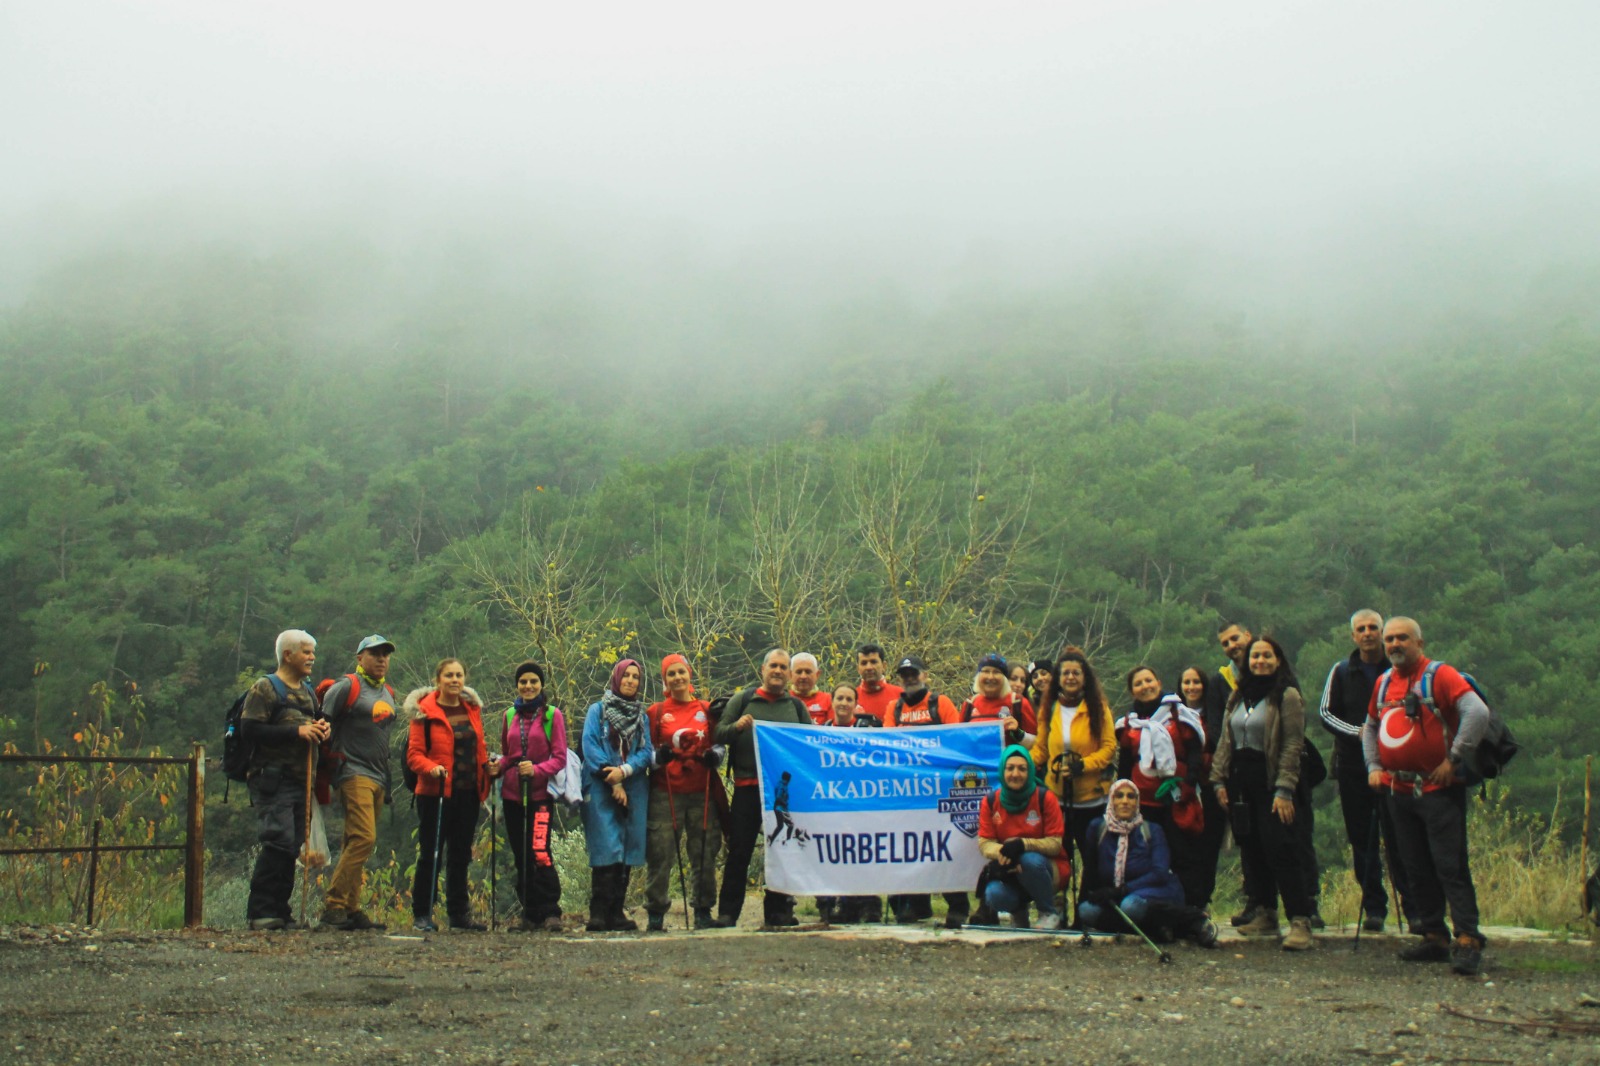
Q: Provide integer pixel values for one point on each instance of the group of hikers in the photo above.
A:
(1100, 821)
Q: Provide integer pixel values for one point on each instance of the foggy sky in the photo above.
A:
(999, 133)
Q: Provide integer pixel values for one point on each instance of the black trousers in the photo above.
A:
(1430, 830)
(1207, 850)
(457, 818)
(1369, 827)
(1187, 853)
(538, 883)
(1305, 833)
(1270, 851)
(920, 905)
(279, 799)
(744, 825)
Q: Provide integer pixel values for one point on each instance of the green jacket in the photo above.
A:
(741, 744)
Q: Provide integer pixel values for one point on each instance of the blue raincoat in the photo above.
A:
(614, 834)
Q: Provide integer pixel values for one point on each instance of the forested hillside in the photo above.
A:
(207, 448)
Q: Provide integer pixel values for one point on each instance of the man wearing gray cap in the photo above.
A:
(360, 707)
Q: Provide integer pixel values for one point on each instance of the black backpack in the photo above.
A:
(1497, 747)
(237, 753)
(933, 710)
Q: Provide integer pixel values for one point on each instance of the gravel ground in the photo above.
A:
(744, 997)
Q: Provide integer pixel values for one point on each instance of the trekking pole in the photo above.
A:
(677, 848)
(1366, 882)
(305, 847)
(494, 866)
(526, 856)
(438, 856)
(1161, 953)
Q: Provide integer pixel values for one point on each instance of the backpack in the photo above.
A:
(566, 784)
(237, 753)
(933, 709)
(969, 706)
(1494, 750)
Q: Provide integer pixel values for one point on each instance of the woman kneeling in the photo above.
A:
(1019, 832)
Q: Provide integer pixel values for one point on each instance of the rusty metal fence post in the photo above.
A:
(194, 843)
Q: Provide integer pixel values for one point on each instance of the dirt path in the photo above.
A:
(224, 997)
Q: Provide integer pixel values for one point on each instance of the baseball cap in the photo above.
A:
(374, 641)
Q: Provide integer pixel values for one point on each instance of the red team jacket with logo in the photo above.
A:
(985, 708)
(997, 823)
(819, 705)
(920, 713)
(1416, 745)
(686, 727)
(877, 703)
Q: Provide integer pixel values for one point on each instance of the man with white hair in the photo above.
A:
(279, 724)
(1367, 825)
(803, 675)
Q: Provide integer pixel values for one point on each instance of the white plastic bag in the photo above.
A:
(315, 852)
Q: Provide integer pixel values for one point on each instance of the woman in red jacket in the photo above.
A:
(447, 753)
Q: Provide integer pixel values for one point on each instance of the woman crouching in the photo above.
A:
(1019, 832)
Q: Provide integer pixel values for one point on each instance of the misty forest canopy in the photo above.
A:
(206, 447)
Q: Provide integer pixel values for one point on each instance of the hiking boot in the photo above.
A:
(1048, 921)
(725, 921)
(335, 918)
(1316, 920)
(656, 923)
(1250, 913)
(1300, 937)
(359, 920)
(872, 913)
(551, 924)
(904, 916)
(597, 923)
(985, 915)
(1434, 947)
(1019, 919)
(1265, 923)
(1466, 956)
(1372, 925)
(703, 918)
(267, 925)
(825, 912)
(425, 925)
(465, 924)
(621, 923)
(955, 919)
(1205, 934)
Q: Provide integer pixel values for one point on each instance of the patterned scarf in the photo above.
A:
(625, 717)
(1123, 829)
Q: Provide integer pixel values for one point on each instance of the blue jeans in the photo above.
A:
(1035, 880)
(1139, 909)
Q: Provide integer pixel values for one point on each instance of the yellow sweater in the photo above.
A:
(1090, 785)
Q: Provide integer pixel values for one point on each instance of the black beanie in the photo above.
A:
(530, 667)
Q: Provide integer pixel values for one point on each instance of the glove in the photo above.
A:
(711, 758)
(663, 753)
(1169, 790)
(1013, 849)
(715, 708)
(1074, 764)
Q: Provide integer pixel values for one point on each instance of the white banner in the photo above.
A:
(872, 811)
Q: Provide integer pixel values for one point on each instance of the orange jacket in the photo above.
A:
(432, 743)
